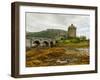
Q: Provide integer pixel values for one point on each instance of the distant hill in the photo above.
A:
(49, 33)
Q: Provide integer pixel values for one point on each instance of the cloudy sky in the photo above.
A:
(41, 21)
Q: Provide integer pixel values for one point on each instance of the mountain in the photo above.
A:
(49, 33)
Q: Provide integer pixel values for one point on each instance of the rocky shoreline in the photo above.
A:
(56, 56)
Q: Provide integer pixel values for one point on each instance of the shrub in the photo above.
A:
(75, 40)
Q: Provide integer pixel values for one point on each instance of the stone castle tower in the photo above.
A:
(71, 31)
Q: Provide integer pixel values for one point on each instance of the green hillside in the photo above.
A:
(49, 33)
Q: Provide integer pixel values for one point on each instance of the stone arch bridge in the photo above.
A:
(40, 42)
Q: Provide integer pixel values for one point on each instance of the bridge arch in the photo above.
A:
(46, 43)
(36, 43)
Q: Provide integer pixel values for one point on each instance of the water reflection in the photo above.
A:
(80, 50)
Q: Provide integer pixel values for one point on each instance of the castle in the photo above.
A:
(62, 34)
(71, 31)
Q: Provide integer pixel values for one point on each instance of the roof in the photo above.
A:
(72, 26)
